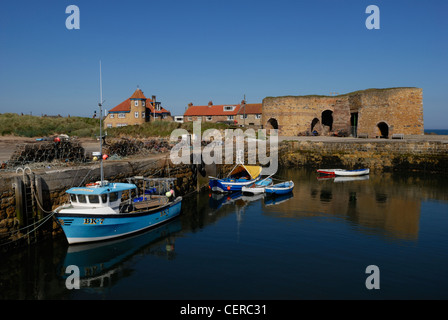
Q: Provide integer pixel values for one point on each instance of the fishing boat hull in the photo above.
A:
(82, 228)
(280, 188)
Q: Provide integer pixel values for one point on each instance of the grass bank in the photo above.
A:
(36, 126)
(159, 129)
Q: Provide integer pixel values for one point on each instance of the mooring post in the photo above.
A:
(20, 200)
(39, 193)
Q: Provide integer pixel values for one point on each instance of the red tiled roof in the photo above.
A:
(217, 110)
(151, 108)
(122, 107)
(251, 108)
(125, 106)
(138, 94)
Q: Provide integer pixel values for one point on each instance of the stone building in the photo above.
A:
(240, 114)
(368, 113)
(136, 110)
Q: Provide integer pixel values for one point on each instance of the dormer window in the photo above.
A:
(229, 108)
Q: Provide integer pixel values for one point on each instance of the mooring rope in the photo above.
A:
(39, 223)
(29, 232)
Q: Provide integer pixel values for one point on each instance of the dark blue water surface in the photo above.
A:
(315, 244)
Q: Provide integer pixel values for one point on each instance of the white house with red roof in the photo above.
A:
(240, 114)
(136, 110)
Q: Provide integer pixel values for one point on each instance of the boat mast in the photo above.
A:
(100, 104)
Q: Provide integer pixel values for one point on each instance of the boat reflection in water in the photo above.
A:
(102, 264)
(277, 199)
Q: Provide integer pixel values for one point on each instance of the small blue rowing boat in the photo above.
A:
(280, 188)
(238, 178)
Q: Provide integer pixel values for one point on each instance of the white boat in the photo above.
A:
(343, 172)
(257, 187)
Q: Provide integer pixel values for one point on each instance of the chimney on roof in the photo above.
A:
(153, 99)
(243, 102)
(210, 103)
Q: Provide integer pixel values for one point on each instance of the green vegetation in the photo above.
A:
(160, 128)
(35, 126)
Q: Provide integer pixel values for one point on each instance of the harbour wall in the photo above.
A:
(17, 224)
(378, 155)
(381, 155)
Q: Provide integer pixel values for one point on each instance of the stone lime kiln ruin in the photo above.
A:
(367, 113)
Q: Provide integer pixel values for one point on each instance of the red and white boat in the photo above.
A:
(343, 172)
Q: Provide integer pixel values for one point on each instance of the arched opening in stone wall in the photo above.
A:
(315, 126)
(272, 124)
(327, 119)
(384, 130)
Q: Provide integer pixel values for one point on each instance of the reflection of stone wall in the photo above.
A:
(377, 206)
(400, 108)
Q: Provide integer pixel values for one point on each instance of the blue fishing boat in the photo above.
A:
(240, 176)
(97, 212)
(280, 188)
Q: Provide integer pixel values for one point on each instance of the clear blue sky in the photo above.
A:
(200, 50)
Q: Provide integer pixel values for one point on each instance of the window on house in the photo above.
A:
(190, 118)
(122, 124)
(136, 103)
(121, 115)
(111, 116)
(143, 103)
(229, 117)
(258, 116)
(243, 116)
(229, 108)
(209, 118)
(143, 114)
(109, 125)
(136, 114)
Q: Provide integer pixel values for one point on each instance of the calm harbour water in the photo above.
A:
(315, 244)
